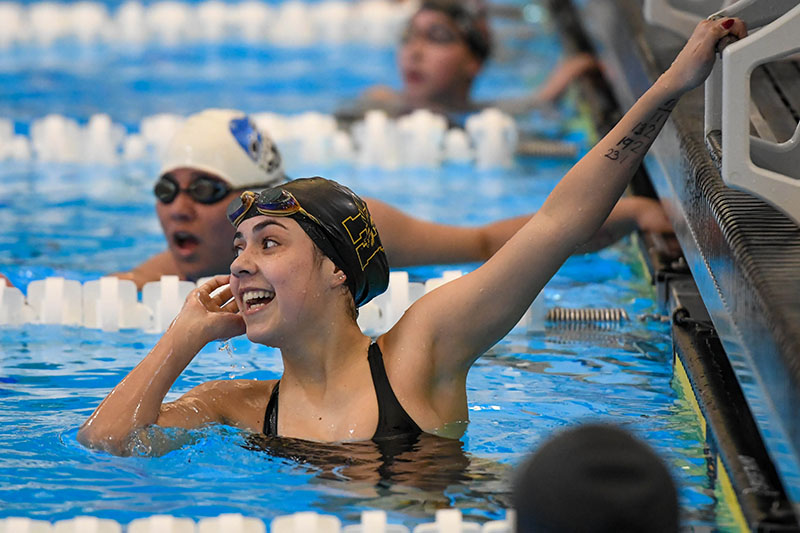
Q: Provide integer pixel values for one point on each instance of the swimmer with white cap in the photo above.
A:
(217, 153)
(308, 253)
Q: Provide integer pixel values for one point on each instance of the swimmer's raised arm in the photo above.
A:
(454, 324)
(136, 402)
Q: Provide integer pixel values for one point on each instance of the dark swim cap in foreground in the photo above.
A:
(595, 478)
(335, 219)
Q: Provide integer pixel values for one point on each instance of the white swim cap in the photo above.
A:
(225, 142)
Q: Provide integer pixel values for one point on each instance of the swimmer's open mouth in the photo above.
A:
(185, 241)
(255, 300)
(413, 76)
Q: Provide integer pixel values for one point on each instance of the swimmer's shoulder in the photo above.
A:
(406, 357)
(380, 94)
(431, 400)
(238, 402)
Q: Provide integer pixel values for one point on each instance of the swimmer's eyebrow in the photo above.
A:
(258, 227)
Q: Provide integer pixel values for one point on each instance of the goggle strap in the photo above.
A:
(248, 198)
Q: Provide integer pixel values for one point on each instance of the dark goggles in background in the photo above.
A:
(202, 189)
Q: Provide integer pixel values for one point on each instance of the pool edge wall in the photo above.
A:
(752, 305)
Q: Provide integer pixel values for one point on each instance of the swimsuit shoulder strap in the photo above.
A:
(270, 428)
(393, 420)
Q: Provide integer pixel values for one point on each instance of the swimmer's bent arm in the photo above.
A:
(454, 324)
(554, 86)
(162, 264)
(412, 241)
(136, 402)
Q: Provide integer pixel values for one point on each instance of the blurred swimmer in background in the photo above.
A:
(444, 49)
(218, 153)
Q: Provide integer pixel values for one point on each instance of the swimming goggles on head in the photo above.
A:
(270, 202)
(203, 189)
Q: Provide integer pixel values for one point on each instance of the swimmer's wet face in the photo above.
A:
(437, 64)
(336, 220)
(198, 233)
(278, 281)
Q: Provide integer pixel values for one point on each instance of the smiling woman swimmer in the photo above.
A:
(308, 255)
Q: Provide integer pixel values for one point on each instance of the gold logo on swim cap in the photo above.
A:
(363, 234)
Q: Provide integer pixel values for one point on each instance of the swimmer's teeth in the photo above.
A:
(256, 299)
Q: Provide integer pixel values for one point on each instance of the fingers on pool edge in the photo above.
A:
(728, 26)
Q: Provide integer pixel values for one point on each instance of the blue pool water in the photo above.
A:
(525, 387)
(81, 221)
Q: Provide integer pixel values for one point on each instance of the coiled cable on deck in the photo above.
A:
(586, 314)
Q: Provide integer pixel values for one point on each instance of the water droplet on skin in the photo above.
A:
(226, 347)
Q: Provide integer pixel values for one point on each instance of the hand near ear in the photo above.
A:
(210, 312)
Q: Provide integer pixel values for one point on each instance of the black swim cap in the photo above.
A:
(470, 17)
(595, 478)
(335, 219)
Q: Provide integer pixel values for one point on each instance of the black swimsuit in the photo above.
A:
(393, 421)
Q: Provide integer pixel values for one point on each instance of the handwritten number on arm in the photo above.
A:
(645, 131)
(630, 144)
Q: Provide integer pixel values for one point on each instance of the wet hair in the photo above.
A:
(471, 19)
